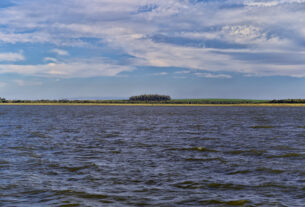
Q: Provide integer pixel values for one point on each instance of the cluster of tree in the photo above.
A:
(150, 97)
(288, 101)
(3, 100)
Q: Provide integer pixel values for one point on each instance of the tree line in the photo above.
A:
(150, 97)
(288, 101)
(132, 99)
(156, 98)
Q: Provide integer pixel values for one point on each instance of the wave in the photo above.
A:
(287, 155)
(262, 127)
(227, 203)
(200, 149)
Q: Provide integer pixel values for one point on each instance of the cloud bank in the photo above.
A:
(251, 37)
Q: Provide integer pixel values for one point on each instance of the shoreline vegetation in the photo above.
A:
(160, 100)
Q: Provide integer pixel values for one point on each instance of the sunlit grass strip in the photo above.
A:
(156, 104)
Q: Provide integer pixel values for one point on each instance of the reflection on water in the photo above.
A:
(151, 156)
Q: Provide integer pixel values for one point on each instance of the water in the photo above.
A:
(151, 156)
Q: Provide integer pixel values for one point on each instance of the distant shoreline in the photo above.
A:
(156, 104)
(161, 102)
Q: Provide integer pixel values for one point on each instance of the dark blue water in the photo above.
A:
(151, 156)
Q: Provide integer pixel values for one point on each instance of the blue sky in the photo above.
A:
(51, 49)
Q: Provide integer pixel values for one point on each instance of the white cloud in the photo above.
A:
(35, 37)
(60, 52)
(270, 3)
(11, 57)
(28, 83)
(2, 84)
(74, 69)
(210, 75)
(160, 74)
(183, 72)
(261, 3)
(50, 59)
(210, 36)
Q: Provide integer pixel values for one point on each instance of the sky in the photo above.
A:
(110, 49)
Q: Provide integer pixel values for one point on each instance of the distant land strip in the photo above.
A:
(173, 102)
(148, 104)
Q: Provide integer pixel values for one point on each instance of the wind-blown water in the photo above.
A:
(151, 156)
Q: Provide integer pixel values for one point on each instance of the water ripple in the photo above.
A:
(151, 156)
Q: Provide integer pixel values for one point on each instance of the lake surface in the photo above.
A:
(151, 156)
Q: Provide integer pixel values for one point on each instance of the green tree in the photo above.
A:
(150, 97)
(3, 100)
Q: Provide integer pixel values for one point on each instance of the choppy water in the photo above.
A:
(151, 156)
